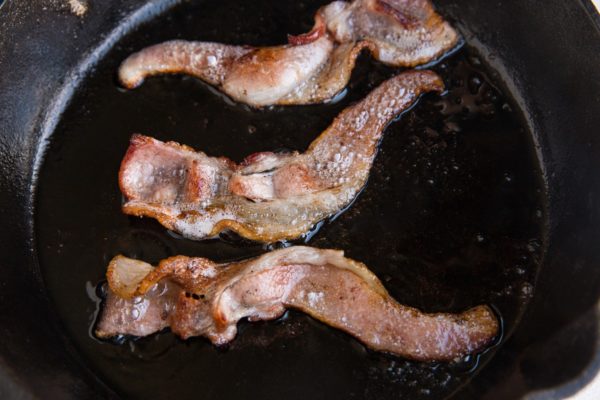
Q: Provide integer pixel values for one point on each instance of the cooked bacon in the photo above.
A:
(270, 196)
(313, 67)
(196, 297)
(402, 32)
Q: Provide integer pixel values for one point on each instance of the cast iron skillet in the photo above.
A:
(547, 58)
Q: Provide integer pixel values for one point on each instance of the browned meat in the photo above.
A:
(270, 196)
(314, 66)
(196, 297)
(401, 32)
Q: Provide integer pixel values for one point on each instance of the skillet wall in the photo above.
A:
(549, 57)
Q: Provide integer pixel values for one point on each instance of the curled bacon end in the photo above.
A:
(305, 38)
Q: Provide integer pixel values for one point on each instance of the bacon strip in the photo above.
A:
(313, 67)
(270, 196)
(196, 297)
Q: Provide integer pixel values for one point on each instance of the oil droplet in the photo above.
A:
(538, 213)
(475, 61)
(527, 290)
(533, 245)
(475, 83)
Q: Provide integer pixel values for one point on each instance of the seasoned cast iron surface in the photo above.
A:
(453, 216)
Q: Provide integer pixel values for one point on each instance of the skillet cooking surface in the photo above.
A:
(453, 216)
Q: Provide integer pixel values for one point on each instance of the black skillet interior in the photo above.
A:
(455, 212)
